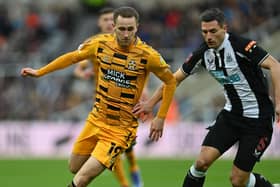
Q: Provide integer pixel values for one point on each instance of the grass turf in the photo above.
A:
(155, 173)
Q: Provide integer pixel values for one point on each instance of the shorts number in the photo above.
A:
(114, 149)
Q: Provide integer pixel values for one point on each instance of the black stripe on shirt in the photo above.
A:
(143, 61)
(126, 95)
(103, 88)
(111, 107)
(234, 99)
(120, 56)
(100, 50)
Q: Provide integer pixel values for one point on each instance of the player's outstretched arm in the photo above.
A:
(57, 64)
(147, 106)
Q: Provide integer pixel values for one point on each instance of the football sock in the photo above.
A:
(194, 178)
(134, 169)
(251, 181)
(132, 161)
(261, 181)
(136, 179)
(119, 172)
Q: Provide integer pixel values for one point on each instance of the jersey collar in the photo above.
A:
(222, 46)
(131, 46)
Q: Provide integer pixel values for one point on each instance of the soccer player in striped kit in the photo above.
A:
(123, 62)
(248, 115)
(85, 70)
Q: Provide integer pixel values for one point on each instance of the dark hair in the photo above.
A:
(213, 14)
(126, 12)
(105, 10)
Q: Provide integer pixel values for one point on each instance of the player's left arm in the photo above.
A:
(274, 66)
(158, 66)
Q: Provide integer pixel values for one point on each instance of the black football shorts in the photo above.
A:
(252, 136)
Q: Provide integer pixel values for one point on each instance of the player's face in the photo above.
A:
(213, 33)
(105, 23)
(125, 29)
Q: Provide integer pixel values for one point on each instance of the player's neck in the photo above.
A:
(127, 48)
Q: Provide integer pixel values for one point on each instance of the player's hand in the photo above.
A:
(156, 129)
(142, 110)
(28, 72)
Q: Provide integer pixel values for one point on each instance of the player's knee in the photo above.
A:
(202, 165)
(84, 180)
(238, 180)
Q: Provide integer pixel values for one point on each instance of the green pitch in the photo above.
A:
(155, 173)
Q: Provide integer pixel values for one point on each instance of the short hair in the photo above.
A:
(213, 14)
(126, 12)
(105, 10)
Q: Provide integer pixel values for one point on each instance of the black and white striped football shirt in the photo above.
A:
(236, 66)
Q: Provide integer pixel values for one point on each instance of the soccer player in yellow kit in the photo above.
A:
(84, 70)
(124, 63)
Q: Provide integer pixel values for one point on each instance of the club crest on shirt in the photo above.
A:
(210, 60)
(210, 57)
(229, 58)
(131, 65)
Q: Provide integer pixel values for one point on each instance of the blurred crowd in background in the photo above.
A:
(33, 33)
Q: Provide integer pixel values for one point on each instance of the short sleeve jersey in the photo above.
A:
(236, 66)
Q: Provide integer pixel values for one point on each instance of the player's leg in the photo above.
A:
(133, 167)
(76, 161)
(119, 172)
(219, 139)
(252, 144)
(82, 148)
(103, 156)
(90, 169)
(196, 174)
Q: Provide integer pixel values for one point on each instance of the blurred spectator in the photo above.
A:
(5, 26)
(173, 115)
(93, 6)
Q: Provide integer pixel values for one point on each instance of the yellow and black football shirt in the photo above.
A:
(121, 76)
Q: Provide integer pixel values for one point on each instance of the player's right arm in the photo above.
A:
(84, 52)
(187, 68)
(148, 105)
